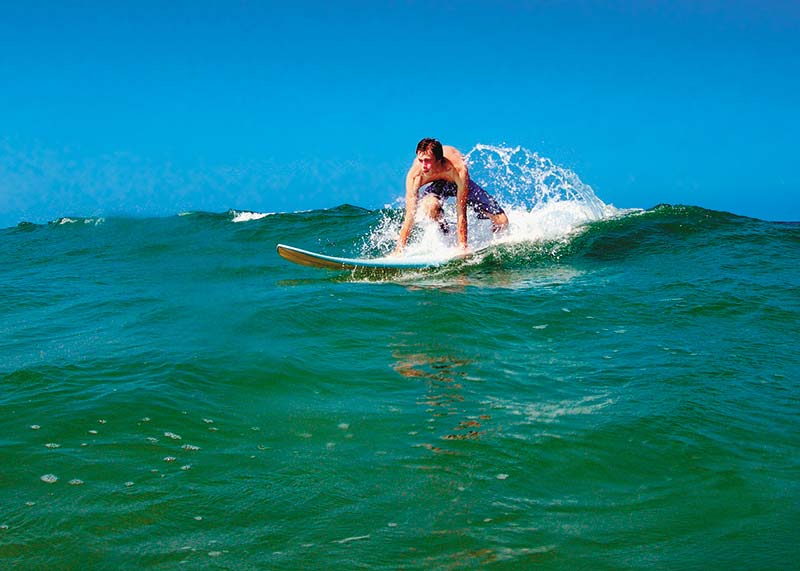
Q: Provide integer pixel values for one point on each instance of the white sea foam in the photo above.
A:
(245, 216)
(552, 411)
(68, 220)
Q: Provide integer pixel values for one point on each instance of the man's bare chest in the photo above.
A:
(444, 174)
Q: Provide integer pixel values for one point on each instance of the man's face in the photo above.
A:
(426, 161)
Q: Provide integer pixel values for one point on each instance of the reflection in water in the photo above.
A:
(444, 376)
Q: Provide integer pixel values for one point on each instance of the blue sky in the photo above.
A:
(152, 108)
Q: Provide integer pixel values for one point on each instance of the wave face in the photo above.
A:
(599, 389)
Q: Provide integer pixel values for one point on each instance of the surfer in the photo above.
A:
(437, 173)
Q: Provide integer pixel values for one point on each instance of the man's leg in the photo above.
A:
(499, 221)
(487, 207)
(431, 206)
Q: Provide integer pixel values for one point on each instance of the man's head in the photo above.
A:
(429, 151)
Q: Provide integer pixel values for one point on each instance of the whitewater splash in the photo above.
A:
(544, 202)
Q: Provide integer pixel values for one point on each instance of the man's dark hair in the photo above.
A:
(433, 146)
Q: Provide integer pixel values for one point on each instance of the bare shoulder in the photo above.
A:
(456, 160)
(453, 155)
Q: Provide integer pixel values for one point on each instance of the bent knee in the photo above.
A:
(431, 206)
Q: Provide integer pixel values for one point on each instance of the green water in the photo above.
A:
(175, 395)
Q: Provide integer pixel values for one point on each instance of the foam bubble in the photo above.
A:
(49, 478)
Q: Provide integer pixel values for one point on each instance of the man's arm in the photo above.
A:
(462, 186)
(412, 188)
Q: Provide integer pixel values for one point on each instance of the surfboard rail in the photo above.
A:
(316, 260)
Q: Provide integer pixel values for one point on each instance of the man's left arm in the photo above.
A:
(462, 187)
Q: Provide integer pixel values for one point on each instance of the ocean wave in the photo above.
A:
(77, 220)
(247, 216)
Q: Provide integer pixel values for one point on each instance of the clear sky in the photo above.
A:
(152, 108)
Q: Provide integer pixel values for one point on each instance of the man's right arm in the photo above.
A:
(412, 187)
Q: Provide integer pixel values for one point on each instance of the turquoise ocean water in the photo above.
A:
(616, 390)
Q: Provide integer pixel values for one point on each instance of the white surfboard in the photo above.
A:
(315, 260)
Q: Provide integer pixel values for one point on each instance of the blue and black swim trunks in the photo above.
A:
(478, 199)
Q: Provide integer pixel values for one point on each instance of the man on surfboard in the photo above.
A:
(440, 172)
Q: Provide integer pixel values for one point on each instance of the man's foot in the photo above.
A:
(499, 223)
